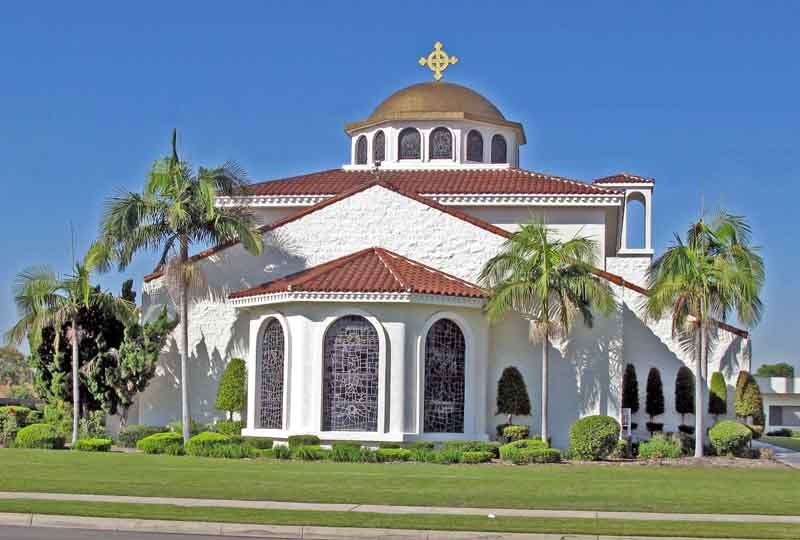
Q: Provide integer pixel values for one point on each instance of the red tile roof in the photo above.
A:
(624, 178)
(372, 270)
(445, 182)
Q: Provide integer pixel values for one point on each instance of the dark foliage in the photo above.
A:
(684, 392)
(630, 389)
(655, 395)
(512, 395)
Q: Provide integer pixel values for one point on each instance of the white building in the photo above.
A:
(781, 397)
(362, 319)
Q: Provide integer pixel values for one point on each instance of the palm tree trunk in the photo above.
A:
(699, 388)
(76, 388)
(184, 295)
(545, 361)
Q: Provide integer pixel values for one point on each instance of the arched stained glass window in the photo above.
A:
(441, 144)
(350, 376)
(499, 149)
(379, 147)
(474, 146)
(445, 351)
(270, 386)
(409, 144)
(361, 151)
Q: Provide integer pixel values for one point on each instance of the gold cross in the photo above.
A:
(438, 60)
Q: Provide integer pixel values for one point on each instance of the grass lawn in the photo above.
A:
(580, 487)
(791, 443)
(419, 521)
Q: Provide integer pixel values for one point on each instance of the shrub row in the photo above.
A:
(170, 443)
(93, 445)
(42, 436)
(130, 435)
(661, 446)
(529, 451)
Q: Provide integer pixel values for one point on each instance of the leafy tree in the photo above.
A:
(748, 402)
(548, 282)
(655, 394)
(718, 396)
(775, 370)
(512, 394)
(15, 372)
(712, 275)
(630, 389)
(232, 391)
(45, 299)
(684, 392)
(175, 212)
(137, 359)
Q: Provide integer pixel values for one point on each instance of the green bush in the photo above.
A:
(130, 435)
(446, 456)
(281, 452)
(654, 427)
(303, 440)
(228, 427)
(729, 437)
(512, 395)
(422, 445)
(345, 452)
(516, 433)
(93, 445)
(261, 443)
(19, 413)
(232, 391)
(393, 454)
(202, 443)
(660, 447)
(42, 436)
(93, 426)
(308, 452)
(654, 402)
(176, 426)
(59, 415)
(390, 445)
(684, 392)
(622, 450)
(748, 402)
(717, 395)
(422, 455)
(593, 437)
(473, 446)
(170, 443)
(476, 457)
(8, 431)
(630, 389)
(527, 451)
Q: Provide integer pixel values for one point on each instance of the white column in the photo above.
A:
(482, 406)
(648, 220)
(397, 377)
(624, 240)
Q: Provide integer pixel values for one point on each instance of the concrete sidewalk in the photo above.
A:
(284, 532)
(387, 509)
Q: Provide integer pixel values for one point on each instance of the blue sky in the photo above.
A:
(703, 96)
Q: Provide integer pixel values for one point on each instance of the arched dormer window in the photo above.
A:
(475, 146)
(499, 150)
(379, 147)
(361, 150)
(441, 144)
(409, 144)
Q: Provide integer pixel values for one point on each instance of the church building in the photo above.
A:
(362, 320)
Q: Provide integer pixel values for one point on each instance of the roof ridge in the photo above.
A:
(380, 253)
(324, 268)
(431, 269)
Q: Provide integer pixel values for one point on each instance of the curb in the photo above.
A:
(284, 532)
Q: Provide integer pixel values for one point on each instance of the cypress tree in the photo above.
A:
(630, 389)
(232, 391)
(512, 395)
(748, 398)
(718, 396)
(655, 394)
(684, 392)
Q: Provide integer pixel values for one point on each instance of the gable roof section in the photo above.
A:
(429, 182)
(623, 178)
(372, 270)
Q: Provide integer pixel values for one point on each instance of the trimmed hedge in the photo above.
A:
(476, 457)
(473, 446)
(308, 452)
(729, 437)
(660, 447)
(261, 443)
(352, 453)
(303, 440)
(516, 433)
(422, 445)
(130, 435)
(594, 437)
(281, 452)
(93, 445)
(170, 443)
(228, 427)
(219, 445)
(43, 436)
(529, 451)
(393, 454)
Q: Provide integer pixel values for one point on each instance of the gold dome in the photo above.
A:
(436, 101)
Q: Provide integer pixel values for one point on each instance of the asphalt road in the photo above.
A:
(47, 533)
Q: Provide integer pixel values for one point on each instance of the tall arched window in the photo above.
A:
(361, 150)
(379, 147)
(270, 368)
(499, 149)
(441, 144)
(445, 351)
(474, 146)
(409, 144)
(350, 376)
(635, 221)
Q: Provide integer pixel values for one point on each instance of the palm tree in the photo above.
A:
(714, 273)
(549, 282)
(45, 299)
(174, 212)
